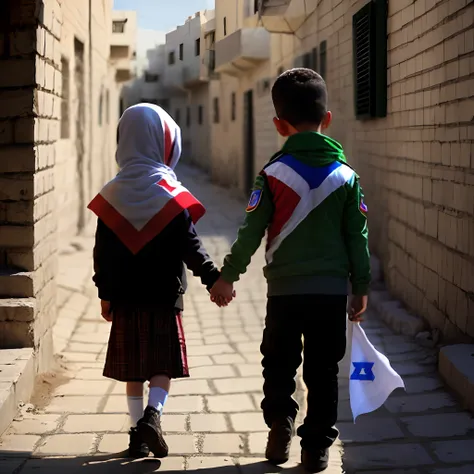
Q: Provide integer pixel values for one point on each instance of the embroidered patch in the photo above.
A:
(363, 371)
(363, 207)
(254, 200)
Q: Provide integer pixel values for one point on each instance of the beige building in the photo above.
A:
(59, 96)
(404, 114)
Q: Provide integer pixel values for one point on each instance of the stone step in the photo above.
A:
(17, 377)
(16, 284)
(16, 319)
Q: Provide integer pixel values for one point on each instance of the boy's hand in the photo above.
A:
(222, 293)
(105, 310)
(358, 307)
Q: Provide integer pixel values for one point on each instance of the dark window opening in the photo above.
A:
(369, 32)
(107, 106)
(118, 26)
(197, 47)
(171, 58)
(314, 59)
(177, 116)
(280, 71)
(323, 59)
(65, 128)
(233, 113)
(216, 109)
(225, 26)
(101, 108)
(200, 114)
(255, 6)
(150, 77)
(181, 51)
(188, 117)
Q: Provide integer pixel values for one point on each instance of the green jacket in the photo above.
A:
(311, 203)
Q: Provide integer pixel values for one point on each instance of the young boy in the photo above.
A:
(311, 203)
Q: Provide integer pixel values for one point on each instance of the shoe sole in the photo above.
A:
(154, 441)
(137, 454)
(277, 462)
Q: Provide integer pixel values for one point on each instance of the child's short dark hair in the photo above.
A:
(300, 96)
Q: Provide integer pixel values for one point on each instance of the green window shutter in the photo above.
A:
(369, 29)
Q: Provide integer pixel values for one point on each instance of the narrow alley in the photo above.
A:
(77, 420)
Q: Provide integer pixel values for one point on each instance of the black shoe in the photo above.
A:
(137, 448)
(279, 441)
(316, 460)
(149, 428)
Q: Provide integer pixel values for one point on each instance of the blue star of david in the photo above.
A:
(363, 371)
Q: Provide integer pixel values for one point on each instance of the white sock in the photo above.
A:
(135, 408)
(157, 398)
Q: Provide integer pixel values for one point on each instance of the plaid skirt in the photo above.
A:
(145, 340)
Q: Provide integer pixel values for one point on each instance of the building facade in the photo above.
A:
(59, 92)
(408, 132)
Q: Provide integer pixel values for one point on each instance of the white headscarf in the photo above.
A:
(145, 196)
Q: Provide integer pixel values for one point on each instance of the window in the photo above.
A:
(369, 32)
(314, 59)
(307, 60)
(181, 51)
(65, 98)
(197, 47)
(118, 26)
(101, 108)
(255, 6)
(225, 26)
(200, 114)
(188, 117)
(177, 116)
(150, 77)
(233, 111)
(280, 71)
(215, 104)
(171, 58)
(107, 106)
(323, 59)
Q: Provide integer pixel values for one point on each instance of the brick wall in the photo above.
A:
(30, 97)
(417, 164)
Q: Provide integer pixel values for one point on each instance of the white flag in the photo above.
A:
(371, 378)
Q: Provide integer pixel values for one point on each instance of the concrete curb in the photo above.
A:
(17, 379)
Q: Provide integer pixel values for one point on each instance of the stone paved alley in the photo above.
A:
(78, 423)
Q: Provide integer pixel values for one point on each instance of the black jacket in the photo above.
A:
(156, 273)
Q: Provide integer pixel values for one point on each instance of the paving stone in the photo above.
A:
(454, 451)
(84, 387)
(228, 359)
(171, 463)
(213, 372)
(10, 466)
(173, 422)
(443, 425)
(239, 385)
(225, 464)
(253, 357)
(96, 423)
(419, 403)
(217, 339)
(190, 387)
(385, 456)
(114, 443)
(18, 444)
(84, 348)
(34, 424)
(116, 404)
(66, 444)
(392, 471)
(181, 444)
(230, 403)
(224, 443)
(248, 422)
(199, 361)
(421, 384)
(78, 357)
(412, 368)
(83, 404)
(238, 337)
(466, 469)
(186, 404)
(207, 422)
(369, 429)
(259, 465)
(90, 374)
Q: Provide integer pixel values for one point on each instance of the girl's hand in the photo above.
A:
(105, 310)
(357, 307)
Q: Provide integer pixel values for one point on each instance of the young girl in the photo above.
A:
(145, 231)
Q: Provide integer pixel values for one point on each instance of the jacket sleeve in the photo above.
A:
(100, 256)
(251, 233)
(357, 240)
(195, 255)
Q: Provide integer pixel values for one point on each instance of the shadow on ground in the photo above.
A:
(22, 463)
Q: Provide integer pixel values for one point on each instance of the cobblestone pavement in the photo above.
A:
(78, 422)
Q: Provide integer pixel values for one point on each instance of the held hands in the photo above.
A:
(105, 311)
(222, 293)
(357, 307)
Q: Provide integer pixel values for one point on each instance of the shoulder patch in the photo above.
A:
(254, 200)
(362, 207)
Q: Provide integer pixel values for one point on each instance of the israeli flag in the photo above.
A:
(371, 378)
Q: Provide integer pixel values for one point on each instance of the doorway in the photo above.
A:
(249, 141)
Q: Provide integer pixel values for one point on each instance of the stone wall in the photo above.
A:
(417, 164)
(30, 97)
